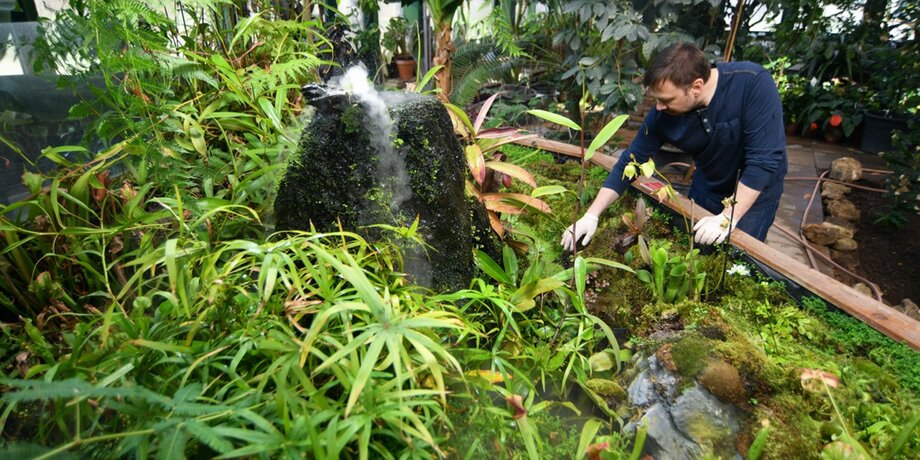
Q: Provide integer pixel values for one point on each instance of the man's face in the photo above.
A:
(675, 100)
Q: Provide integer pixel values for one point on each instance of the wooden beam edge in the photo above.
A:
(894, 324)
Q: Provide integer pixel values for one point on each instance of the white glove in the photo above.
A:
(586, 226)
(712, 229)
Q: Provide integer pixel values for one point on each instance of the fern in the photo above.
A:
(475, 64)
(503, 32)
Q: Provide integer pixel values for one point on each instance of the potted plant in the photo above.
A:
(399, 39)
(894, 95)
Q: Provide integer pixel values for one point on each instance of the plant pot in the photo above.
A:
(878, 128)
(405, 68)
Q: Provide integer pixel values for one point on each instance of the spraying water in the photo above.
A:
(391, 167)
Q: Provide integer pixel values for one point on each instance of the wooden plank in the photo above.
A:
(604, 161)
(896, 325)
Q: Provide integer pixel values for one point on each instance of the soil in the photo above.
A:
(886, 255)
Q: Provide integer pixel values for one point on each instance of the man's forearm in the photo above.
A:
(604, 199)
(744, 198)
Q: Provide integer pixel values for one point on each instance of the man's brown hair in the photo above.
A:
(680, 63)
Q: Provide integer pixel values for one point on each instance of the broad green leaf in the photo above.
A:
(605, 134)
(523, 297)
(555, 118)
(428, 76)
(588, 432)
(603, 361)
(581, 276)
(491, 268)
(548, 190)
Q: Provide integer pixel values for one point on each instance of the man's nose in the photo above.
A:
(660, 107)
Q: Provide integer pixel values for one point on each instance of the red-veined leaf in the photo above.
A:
(473, 191)
(476, 162)
(502, 206)
(514, 171)
(518, 198)
(508, 140)
(481, 117)
(496, 133)
(459, 114)
(496, 223)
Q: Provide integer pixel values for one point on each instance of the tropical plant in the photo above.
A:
(903, 185)
(488, 171)
(442, 13)
(399, 37)
(671, 279)
(474, 64)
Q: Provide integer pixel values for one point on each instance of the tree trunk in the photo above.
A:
(445, 49)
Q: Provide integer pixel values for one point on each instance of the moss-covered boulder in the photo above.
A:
(341, 175)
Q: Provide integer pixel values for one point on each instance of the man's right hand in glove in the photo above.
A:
(585, 227)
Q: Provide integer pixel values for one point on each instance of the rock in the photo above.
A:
(833, 190)
(843, 209)
(723, 380)
(344, 173)
(846, 169)
(664, 357)
(909, 308)
(845, 244)
(825, 233)
(864, 290)
(652, 385)
(692, 424)
(850, 226)
(705, 420)
(849, 260)
(664, 439)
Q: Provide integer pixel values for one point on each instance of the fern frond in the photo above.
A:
(504, 35)
(208, 436)
(475, 64)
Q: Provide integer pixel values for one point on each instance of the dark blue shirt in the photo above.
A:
(740, 130)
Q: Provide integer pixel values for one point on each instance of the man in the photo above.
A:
(729, 117)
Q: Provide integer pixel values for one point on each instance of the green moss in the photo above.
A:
(691, 354)
(353, 119)
(607, 388)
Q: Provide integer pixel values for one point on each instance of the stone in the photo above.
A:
(664, 439)
(846, 169)
(845, 244)
(664, 357)
(346, 172)
(723, 380)
(833, 190)
(706, 421)
(843, 209)
(825, 233)
(850, 226)
(864, 290)
(653, 384)
(909, 308)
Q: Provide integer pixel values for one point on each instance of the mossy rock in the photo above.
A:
(691, 354)
(723, 380)
(607, 389)
(333, 179)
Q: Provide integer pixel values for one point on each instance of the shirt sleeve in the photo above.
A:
(646, 143)
(763, 133)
